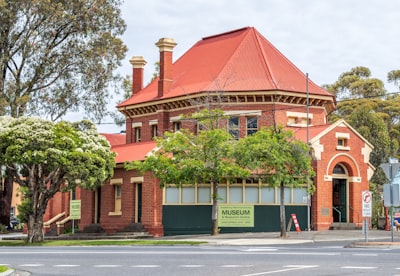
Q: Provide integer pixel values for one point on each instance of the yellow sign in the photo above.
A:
(236, 215)
(75, 209)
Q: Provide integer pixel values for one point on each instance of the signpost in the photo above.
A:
(366, 210)
(391, 192)
(74, 212)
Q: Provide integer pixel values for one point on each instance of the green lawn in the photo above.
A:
(3, 268)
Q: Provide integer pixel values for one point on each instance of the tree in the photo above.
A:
(186, 158)
(45, 158)
(57, 56)
(394, 76)
(356, 83)
(273, 155)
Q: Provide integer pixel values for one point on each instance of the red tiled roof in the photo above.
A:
(115, 139)
(133, 152)
(301, 132)
(240, 60)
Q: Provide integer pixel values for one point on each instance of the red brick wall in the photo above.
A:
(350, 159)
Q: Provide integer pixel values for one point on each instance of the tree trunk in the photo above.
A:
(6, 190)
(35, 228)
(282, 210)
(214, 215)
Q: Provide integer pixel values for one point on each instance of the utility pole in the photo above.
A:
(308, 180)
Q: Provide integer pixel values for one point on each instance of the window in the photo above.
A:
(204, 194)
(233, 192)
(299, 195)
(117, 187)
(338, 169)
(233, 127)
(236, 194)
(251, 194)
(188, 194)
(177, 126)
(172, 195)
(342, 141)
(138, 131)
(154, 131)
(267, 195)
(298, 119)
(252, 125)
(287, 195)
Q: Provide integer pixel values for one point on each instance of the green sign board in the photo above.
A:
(236, 215)
(75, 209)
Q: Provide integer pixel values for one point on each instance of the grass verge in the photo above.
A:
(97, 242)
(3, 268)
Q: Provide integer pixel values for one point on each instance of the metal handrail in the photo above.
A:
(340, 213)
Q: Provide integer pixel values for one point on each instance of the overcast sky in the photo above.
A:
(322, 38)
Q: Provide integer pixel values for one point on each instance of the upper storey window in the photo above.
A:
(252, 125)
(153, 128)
(138, 134)
(137, 131)
(154, 131)
(342, 141)
(298, 119)
(177, 126)
(176, 123)
(233, 127)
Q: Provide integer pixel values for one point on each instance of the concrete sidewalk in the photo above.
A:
(354, 237)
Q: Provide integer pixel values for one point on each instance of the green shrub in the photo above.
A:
(3, 229)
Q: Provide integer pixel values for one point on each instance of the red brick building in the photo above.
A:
(259, 87)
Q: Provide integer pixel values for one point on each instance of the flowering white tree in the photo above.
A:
(45, 157)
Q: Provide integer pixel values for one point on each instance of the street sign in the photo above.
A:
(75, 209)
(390, 169)
(391, 195)
(366, 204)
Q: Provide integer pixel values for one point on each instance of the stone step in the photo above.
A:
(343, 226)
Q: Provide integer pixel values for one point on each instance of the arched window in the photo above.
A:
(338, 169)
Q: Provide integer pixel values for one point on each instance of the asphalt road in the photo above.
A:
(305, 259)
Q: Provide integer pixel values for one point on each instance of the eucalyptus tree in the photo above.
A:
(58, 56)
(355, 84)
(45, 158)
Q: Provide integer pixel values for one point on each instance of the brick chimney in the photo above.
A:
(166, 46)
(138, 64)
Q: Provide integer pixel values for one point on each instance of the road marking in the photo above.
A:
(367, 255)
(289, 268)
(65, 265)
(260, 249)
(359, 267)
(237, 265)
(191, 265)
(105, 266)
(144, 266)
(32, 265)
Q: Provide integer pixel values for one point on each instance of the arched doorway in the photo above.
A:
(340, 200)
